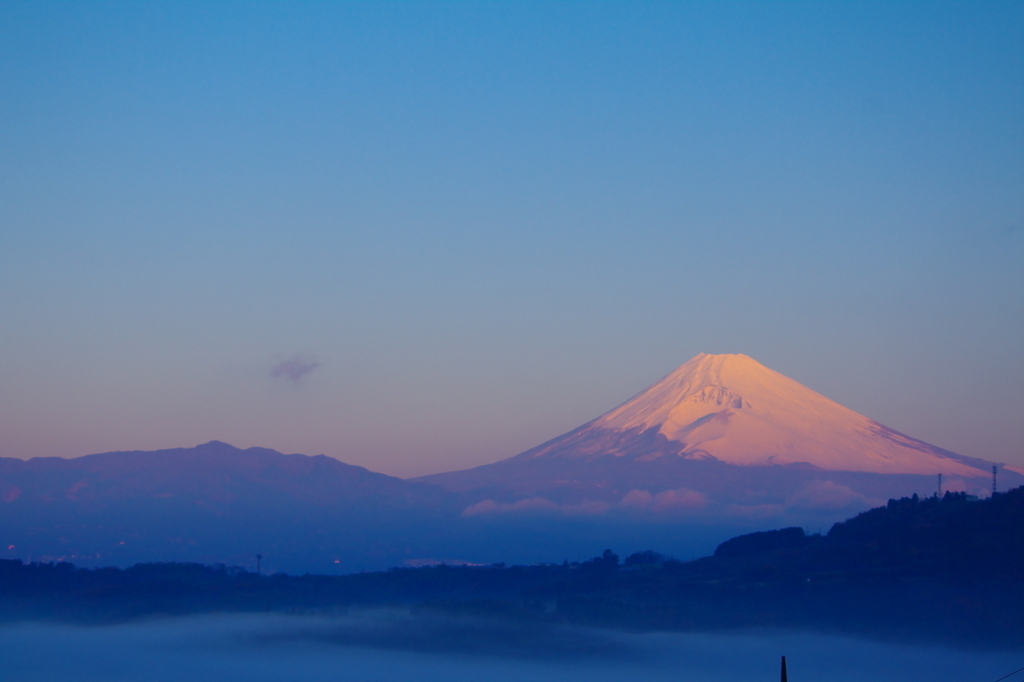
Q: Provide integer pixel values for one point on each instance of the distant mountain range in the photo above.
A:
(722, 444)
(213, 502)
(215, 475)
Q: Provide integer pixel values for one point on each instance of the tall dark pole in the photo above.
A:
(785, 675)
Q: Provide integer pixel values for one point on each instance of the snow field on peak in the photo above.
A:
(735, 409)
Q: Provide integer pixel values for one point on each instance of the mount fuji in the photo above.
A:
(722, 434)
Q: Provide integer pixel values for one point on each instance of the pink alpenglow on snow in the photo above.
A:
(721, 436)
(733, 408)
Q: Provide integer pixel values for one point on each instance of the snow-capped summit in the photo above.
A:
(733, 408)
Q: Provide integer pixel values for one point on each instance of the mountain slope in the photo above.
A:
(725, 428)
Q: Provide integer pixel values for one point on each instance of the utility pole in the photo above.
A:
(785, 675)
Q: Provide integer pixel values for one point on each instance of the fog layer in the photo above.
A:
(394, 645)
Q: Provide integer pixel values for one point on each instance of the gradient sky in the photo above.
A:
(420, 237)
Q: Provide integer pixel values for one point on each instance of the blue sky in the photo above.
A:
(470, 227)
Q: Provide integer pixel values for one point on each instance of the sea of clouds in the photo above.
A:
(396, 645)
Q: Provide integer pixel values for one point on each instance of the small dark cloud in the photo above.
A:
(293, 369)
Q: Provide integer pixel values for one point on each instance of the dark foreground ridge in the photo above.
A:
(949, 569)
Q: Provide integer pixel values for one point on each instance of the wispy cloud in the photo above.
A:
(831, 496)
(679, 500)
(537, 504)
(293, 369)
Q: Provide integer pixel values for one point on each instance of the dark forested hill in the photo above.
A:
(954, 537)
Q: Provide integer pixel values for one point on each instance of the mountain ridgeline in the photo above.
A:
(947, 569)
